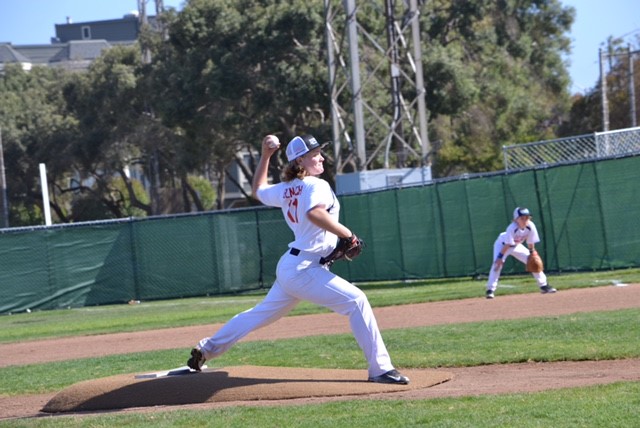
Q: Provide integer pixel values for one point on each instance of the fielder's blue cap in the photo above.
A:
(520, 211)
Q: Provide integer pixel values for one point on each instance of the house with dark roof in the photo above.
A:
(75, 45)
(125, 30)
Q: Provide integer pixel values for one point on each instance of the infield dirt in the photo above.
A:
(491, 379)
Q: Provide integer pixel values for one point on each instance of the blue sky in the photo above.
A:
(33, 22)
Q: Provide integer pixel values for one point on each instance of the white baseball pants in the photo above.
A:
(302, 277)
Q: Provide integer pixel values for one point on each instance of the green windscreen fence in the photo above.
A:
(442, 229)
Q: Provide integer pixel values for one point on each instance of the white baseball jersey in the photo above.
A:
(514, 235)
(298, 197)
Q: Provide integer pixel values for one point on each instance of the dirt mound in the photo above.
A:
(243, 383)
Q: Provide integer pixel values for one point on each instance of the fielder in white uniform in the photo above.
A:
(311, 210)
(510, 243)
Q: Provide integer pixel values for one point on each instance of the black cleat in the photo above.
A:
(546, 289)
(392, 376)
(197, 360)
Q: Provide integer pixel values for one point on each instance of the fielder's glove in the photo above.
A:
(534, 262)
(347, 249)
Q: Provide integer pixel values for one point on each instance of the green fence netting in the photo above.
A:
(584, 214)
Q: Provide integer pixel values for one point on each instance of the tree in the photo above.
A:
(233, 71)
(112, 126)
(586, 115)
(494, 76)
(120, 132)
(35, 129)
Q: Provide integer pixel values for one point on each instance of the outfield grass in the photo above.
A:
(208, 310)
(584, 336)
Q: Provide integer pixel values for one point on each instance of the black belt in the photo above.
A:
(295, 252)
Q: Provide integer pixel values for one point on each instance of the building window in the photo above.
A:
(86, 32)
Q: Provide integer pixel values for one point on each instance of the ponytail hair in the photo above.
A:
(292, 171)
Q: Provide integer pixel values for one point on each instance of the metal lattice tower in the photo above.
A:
(378, 107)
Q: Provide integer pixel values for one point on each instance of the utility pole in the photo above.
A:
(154, 168)
(632, 90)
(603, 86)
(4, 220)
(159, 21)
(603, 89)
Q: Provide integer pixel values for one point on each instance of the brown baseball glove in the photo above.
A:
(534, 262)
(347, 249)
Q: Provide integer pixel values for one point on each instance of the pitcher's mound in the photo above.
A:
(241, 383)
